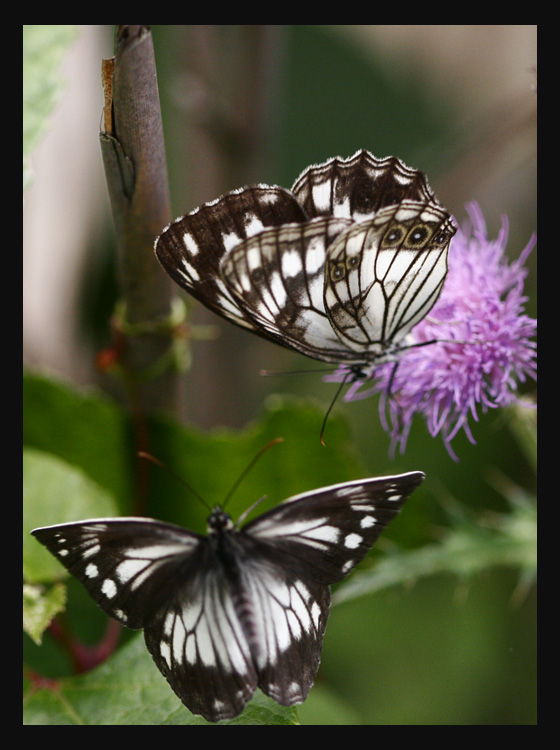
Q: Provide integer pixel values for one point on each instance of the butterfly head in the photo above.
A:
(219, 521)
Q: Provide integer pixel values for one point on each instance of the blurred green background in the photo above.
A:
(245, 104)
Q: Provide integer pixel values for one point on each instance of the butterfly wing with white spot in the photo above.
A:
(295, 551)
(128, 565)
(322, 535)
(191, 248)
(277, 277)
(384, 275)
(357, 187)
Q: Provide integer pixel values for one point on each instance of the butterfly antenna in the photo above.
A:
(315, 370)
(245, 513)
(249, 467)
(161, 465)
(336, 395)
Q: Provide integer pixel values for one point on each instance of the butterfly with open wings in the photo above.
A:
(340, 268)
(239, 608)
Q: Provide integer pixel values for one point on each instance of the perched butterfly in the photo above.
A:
(340, 268)
(240, 608)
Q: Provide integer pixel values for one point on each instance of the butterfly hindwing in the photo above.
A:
(277, 278)
(215, 646)
(384, 275)
(288, 619)
(199, 644)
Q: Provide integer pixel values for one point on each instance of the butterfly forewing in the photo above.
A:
(322, 535)
(191, 248)
(128, 565)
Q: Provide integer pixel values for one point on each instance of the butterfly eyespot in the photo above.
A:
(418, 235)
(393, 236)
(337, 271)
(327, 268)
(440, 238)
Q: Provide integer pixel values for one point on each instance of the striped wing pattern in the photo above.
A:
(384, 275)
(359, 187)
(192, 248)
(270, 259)
(277, 279)
(238, 609)
(128, 565)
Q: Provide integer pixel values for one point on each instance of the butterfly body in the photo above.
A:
(239, 608)
(340, 268)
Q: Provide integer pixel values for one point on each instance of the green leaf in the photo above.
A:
(92, 438)
(55, 492)
(470, 547)
(84, 428)
(40, 607)
(44, 48)
(128, 689)
(212, 462)
(96, 435)
(324, 707)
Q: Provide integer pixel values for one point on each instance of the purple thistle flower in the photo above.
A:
(483, 350)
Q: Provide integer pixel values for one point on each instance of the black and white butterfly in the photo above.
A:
(340, 268)
(239, 608)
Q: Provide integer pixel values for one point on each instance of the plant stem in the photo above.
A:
(134, 158)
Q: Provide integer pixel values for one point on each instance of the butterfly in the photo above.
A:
(340, 268)
(243, 607)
